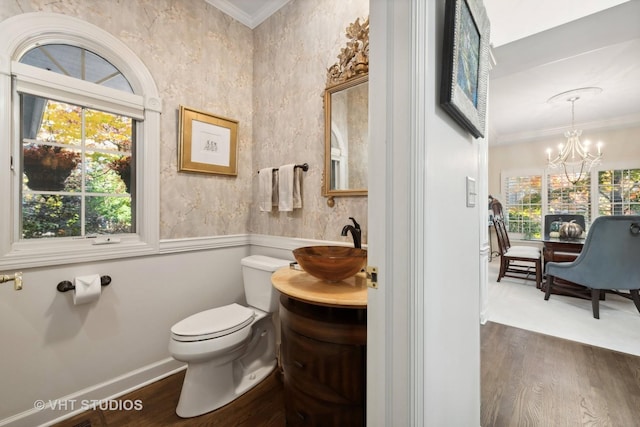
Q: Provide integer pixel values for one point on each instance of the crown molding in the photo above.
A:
(268, 8)
(627, 121)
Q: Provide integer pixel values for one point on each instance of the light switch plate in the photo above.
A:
(471, 192)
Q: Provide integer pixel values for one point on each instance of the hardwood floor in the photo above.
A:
(261, 406)
(528, 379)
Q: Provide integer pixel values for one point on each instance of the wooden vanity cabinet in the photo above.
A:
(323, 356)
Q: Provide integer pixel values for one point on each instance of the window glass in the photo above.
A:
(567, 198)
(619, 192)
(71, 109)
(523, 204)
(76, 62)
(76, 164)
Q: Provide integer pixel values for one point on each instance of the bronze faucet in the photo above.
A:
(356, 232)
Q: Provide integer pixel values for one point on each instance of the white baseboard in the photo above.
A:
(57, 410)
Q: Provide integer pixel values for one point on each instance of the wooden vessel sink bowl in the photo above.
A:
(331, 263)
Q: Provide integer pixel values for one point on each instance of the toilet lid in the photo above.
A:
(213, 323)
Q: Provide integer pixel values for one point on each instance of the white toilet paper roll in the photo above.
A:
(87, 289)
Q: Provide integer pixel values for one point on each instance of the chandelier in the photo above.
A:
(574, 157)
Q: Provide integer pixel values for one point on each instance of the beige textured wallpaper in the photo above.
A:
(293, 50)
(269, 79)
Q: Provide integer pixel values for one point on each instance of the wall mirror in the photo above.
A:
(346, 104)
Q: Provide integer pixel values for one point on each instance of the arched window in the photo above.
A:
(76, 160)
(84, 126)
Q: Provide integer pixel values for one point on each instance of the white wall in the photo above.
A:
(424, 238)
(57, 351)
(621, 149)
(451, 295)
(52, 348)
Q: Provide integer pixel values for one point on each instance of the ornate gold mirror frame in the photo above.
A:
(346, 108)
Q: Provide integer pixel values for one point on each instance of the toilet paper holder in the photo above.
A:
(66, 285)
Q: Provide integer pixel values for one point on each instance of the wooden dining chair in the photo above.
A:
(609, 261)
(520, 262)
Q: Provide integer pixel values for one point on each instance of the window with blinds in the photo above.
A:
(523, 204)
(76, 161)
(530, 195)
(81, 131)
(563, 197)
(619, 192)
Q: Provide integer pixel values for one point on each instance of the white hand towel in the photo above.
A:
(297, 188)
(285, 187)
(265, 189)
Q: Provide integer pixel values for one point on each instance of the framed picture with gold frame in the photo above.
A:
(208, 143)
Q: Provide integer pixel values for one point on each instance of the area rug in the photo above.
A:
(518, 303)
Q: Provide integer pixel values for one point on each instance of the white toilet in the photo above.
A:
(229, 349)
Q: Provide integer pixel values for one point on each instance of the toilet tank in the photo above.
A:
(256, 274)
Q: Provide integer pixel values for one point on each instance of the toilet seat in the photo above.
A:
(214, 323)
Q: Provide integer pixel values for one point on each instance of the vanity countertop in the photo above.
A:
(351, 292)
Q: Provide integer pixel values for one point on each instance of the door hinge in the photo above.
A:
(372, 277)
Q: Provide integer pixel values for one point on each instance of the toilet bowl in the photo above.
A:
(229, 349)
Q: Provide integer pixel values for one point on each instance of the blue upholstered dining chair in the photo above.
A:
(609, 261)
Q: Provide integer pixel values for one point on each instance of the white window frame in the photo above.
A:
(22, 33)
(595, 211)
(524, 172)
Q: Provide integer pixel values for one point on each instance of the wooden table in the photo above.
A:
(555, 249)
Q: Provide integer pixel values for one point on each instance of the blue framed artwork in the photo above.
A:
(465, 64)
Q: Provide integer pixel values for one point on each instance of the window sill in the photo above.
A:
(42, 254)
(57, 254)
